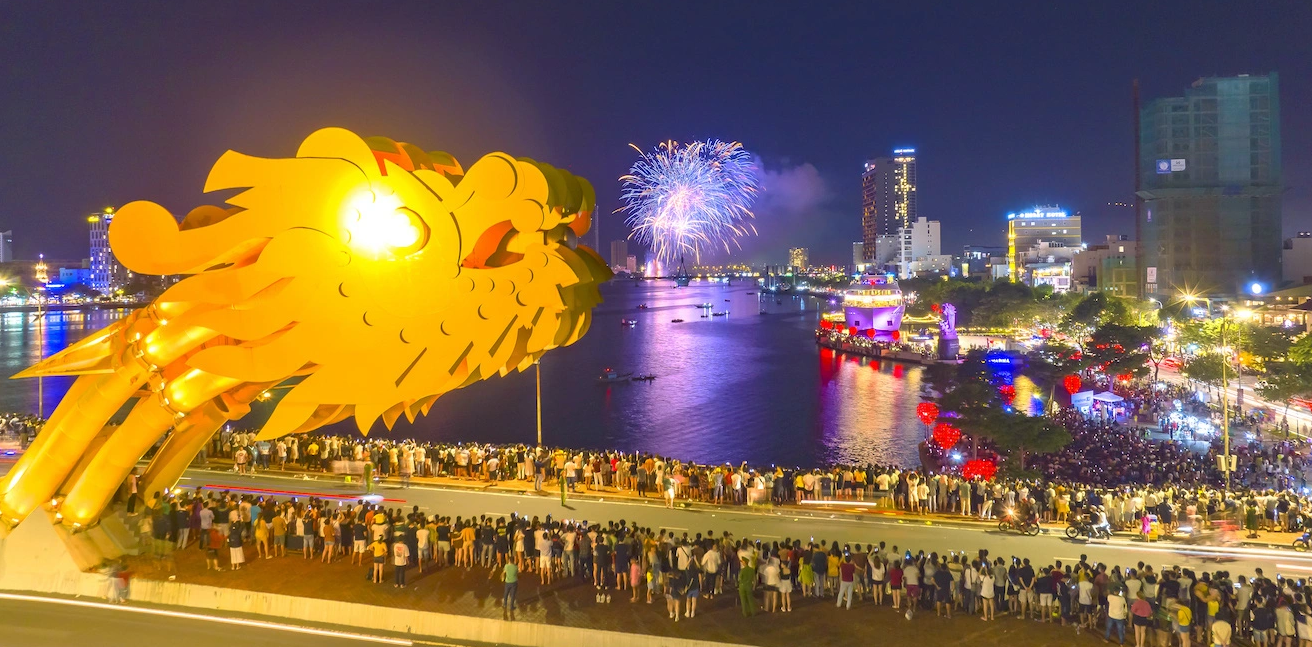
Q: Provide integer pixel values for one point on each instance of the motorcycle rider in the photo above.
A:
(1101, 525)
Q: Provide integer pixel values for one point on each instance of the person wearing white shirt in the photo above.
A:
(1116, 613)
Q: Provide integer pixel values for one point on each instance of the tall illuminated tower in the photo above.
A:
(106, 273)
(888, 197)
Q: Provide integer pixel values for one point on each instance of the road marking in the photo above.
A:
(243, 622)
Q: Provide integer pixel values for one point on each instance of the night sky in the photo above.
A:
(118, 101)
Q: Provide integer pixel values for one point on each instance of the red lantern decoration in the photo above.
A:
(897, 335)
(1072, 383)
(935, 308)
(946, 436)
(825, 325)
(979, 468)
(927, 412)
(1008, 393)
(870, 332)
(1125, 377)
(851, 330)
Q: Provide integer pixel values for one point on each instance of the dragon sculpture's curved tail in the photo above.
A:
(365, 277)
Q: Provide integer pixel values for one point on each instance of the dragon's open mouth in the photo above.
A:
(501, 244)
(492, 248)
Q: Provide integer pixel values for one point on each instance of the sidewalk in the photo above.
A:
(572, 603)
(857, 510)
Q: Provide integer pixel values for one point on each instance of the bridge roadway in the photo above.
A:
(840, 523)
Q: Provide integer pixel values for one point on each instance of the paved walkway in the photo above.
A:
(572, 603)
(869, 507)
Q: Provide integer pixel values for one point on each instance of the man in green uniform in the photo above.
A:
(747, 582)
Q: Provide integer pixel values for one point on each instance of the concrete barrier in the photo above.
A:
(402, 621)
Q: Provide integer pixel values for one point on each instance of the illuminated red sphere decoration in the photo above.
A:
(870, 332)
(1072, 383)
(927, 412)
(897, 335)
(946, 436)
(1008, 393)
(981, 468)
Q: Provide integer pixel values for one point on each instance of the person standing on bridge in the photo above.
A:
(509, 575)
(746, 584)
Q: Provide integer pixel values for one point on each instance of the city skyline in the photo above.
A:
(1037, 129)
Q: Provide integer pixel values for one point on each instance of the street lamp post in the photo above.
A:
(1240, 315)
(538, 365)
(1225, 408)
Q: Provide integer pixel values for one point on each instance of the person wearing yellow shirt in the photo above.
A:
(379, 550)
(1183, 621)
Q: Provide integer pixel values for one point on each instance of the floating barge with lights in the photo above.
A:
(870, 322)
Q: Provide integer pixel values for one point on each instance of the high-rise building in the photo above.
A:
(858, 256)
(1029, 229)
(888, 197)
(798, 257)
(107, 274)
(1209, 187)
(1296, 259)
(6, 246)
(631, 264)
(921, 249)
(619, 253)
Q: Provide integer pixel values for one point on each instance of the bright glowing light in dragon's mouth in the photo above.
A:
(377, 224)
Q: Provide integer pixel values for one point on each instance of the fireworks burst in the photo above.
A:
(687, 200)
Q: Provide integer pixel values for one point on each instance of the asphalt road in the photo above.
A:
(60, 623)
(831, 525)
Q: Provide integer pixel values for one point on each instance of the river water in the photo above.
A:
(744, 386)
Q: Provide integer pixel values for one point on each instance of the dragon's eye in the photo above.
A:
(380, 225)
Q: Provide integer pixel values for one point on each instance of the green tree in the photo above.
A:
(1020, 435)
(1096, 310)
(1284, 381)
(1122, 349)
(1208, 368)
(1300, 352)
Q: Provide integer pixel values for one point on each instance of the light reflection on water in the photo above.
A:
(740, 387)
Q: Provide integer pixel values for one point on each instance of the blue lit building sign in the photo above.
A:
(1039, 214)
(904, 151)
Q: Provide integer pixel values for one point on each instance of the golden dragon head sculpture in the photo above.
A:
(365, 277)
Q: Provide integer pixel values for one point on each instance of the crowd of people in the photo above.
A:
(22, 426)
(1108, 473)
(620, 561)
